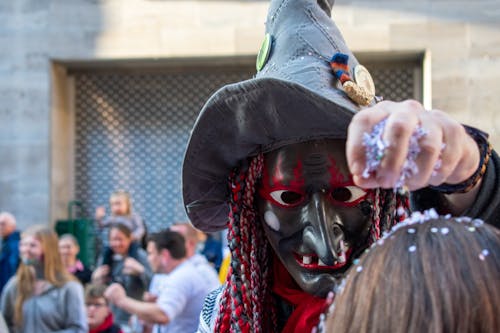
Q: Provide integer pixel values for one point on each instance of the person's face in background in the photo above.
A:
(154, 258)
(119, 205)
(97, 311)
(68, 251)
(6, 226)
(30, 249)
(119, 242)
(314, 216)
(191, 242)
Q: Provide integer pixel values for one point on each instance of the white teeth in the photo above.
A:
(320, 263)
(335, 262)
(306, 260)
(342, 258)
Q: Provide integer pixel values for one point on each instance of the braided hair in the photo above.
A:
(247, 303)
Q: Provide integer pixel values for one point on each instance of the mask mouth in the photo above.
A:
(311, 261)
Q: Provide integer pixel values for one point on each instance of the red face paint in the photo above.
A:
(287, 188)
(282, 187)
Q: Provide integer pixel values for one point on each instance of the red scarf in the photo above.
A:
(308, 308)
(107, 323)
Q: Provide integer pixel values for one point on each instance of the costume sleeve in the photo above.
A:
(7, 303)
(487, 203)
(210, 311)
(106, 222)
(76, 316)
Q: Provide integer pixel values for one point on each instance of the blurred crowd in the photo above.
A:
(141, 283)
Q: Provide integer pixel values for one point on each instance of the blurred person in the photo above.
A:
(192, 238)
(43, 296)
(212, 249)
(121, 213)
(99, 315)
(133, 272)
(9, 253)
(180, 299)
(431, 274)
(69, 249)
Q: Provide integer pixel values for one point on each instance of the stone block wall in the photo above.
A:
(36, 36)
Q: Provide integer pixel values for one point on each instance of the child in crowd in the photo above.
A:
(121, 213)
(431, 274)
(99, 314)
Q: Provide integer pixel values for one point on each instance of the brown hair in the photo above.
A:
(71, 238)
(437, 276)
(95, 290)
(122, 228)
(54, 271)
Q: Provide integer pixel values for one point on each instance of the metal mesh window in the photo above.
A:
(132, 129)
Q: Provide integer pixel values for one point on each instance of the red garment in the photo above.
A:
(308, 308)
(106, 326)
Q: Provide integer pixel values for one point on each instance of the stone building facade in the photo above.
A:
(44, 42)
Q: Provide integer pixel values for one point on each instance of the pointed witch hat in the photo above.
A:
(294, 97)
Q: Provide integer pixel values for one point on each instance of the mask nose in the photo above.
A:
(323, 232)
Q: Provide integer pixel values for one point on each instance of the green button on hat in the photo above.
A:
(265, 50)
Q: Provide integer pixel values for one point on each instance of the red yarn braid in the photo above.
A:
(246, 304)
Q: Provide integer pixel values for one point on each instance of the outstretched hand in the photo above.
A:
(447, 153)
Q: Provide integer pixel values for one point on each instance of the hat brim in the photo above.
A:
(243, 120)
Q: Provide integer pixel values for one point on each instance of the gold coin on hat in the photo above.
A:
(364, 79)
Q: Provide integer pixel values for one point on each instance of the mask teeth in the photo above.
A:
(307, 260)
(321, 263)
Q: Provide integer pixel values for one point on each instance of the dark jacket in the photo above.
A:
(9, 258)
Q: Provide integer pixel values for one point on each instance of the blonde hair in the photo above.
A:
(125, 195)
(54, 271)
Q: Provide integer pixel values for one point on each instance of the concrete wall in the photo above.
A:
(462, 38)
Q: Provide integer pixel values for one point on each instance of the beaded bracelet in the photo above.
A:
(484, 145)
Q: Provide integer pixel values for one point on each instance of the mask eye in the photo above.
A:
(286, 198)
(349, 194)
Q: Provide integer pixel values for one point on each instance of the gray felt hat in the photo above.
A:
(295, 97)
